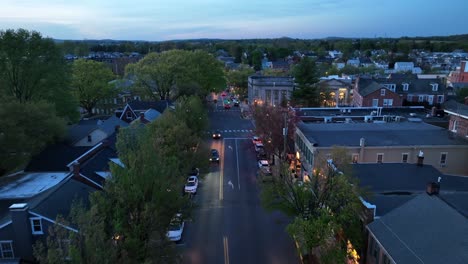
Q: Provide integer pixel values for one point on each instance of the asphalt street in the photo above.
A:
(229, 224)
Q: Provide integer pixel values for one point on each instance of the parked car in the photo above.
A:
(227, 106)
(176, 228)
(195, 172)
(256, 139)
(264, 174)
(263, 164)
(259, 146)
(191, 185)
(236, 102)
(261, 155)
(217, 134)
(214, 156)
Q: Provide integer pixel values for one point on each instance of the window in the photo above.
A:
(421, 98)
(409, 98)
(405, 87)
(375, 102)
(379, 157)
(129, 115)
(404, 157)
(440, 99)
(355, 158)
(6, 250)
(387, 102)
(443, 159)
(382, 92)
(430, 99)
(435, 86)
(36, 225)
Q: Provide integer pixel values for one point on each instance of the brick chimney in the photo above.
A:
(420, 162)
(433, 188)
(22, 231)
(75, 168)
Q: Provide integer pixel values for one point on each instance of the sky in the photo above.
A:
(157, 20)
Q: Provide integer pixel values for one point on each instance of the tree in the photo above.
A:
(26, 129)
(239, 78)
(169, 74)
(192, 112)
(32, 68)
(462, 93)
(90, 83)
(325, 210)
(305, 74)
(269, 124)
(257, 60)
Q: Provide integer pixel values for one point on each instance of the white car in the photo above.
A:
(191, 185)
(258, 146)
(264, 166)
(176, 228)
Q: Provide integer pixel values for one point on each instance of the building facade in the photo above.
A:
(269, 90)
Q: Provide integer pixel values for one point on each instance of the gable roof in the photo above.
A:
(55, 158)
(108, 125)
(423, 230)
(368, 86)
(455, 108)
(79, 131)
(392, 184)
(159, 106)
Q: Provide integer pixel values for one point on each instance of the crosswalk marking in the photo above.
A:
(232, 131)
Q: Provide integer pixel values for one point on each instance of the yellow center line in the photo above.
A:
(226, 250)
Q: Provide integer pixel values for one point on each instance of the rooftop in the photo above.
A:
(423, 230)
(377, 134)
(25, 185)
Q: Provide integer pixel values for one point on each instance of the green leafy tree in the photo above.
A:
(305, 74)
(175, 73)
(192, 112)
(325, 210)
(239, 78)
(32, 68)
(462, 93)
(90, 83)
(257, 60)
(26, 129)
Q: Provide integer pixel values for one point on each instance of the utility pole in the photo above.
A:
(285, 132)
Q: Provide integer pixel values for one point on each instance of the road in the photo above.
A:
(229, 224)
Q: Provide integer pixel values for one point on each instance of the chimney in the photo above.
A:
(76, 169)
(142, 117)
(420, 162)
(22, 231)
(433, 188)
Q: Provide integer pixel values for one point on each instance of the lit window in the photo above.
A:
(36, 225)
(6, 250)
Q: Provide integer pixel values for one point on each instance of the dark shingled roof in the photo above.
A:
(423, 230)
(159, 106)
(367, 86)
(55, 158)
(378, 134)
(99, 163)
(392, 184)
(456, 107)
(59, 201)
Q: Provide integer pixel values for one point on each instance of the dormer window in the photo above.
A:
(435, 87)
(36, 225)
(382, 92)
(405, 86)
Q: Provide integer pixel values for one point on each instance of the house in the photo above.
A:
(398, 90)
(269, 90)
(30, 201)
(146, 111)
(91, 132)
(404, 66)
(338, 91)
(280, 65)
(339, 64)
(335, 54)
(459, 77)
(425, 229)
(266, 64)
(382, 142)
(458, 114)
(353, 62)
(366, 62)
